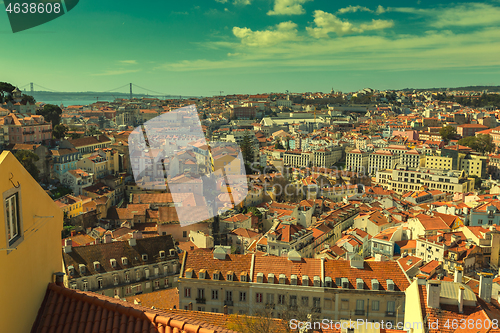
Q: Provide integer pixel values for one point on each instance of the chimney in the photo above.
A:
(225, 309)
(132, 242)
(458, 275)
(485, 286)
(107, 237)
(421, 279)
(433, 293)
(67, 245)
(59, 278)
(461, 291)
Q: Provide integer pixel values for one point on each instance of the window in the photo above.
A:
(281, 299)
(157, 284)
(187, 292)
(305, 301)
(184, 234)
(99, 283)
(270, 298)
(157, 271)
(293, 300)
(127, 277)
(316, 302)
(115, 279)
(201, 293)
(360, 304)
(243, 296)
(391, 306)
(215, 310)
(258, 297)
(345, 304)
(229, 295)
(12, 218)
(215, 294)
(137, 275)
(85, 286)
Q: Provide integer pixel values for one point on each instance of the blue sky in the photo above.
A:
(251, 46)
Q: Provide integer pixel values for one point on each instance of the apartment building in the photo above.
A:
(288, 286)
(357, 161)
(65, 159)
(402, 180)
(122, 268)
(26, 128)
(381, 160)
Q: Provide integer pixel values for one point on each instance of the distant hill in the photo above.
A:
(468, 88)
(90, 95)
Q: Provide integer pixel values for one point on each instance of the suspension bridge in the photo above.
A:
(128, 88)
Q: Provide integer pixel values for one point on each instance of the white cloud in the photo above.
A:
(129, 62)
(353, 9)
(241, 2)
(380, 10)
(288, 7)
(221, 1)
(285, 31)
(327, 23)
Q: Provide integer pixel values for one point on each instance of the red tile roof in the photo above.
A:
(67, 310)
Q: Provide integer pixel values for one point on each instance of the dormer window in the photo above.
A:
(317, 281)
(282, 279)
(162, 254)
(293, 280)
(270, 278)
(144, 257)
(260, 277)
(97, 265)
(112, 262)
(229, 276)
(390, 285)
(71, 270)
(217, 275)
(124, 261)
(243, 277)
(189, 273)
(305, 280)
(328, 282)
(201, 274)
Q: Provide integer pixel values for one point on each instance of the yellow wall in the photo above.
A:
(26, 272)
(76, 209)
(438, 162)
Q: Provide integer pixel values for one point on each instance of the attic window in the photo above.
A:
(243, 277)
(189, 273)
(112, 262)
(375, 284)
(293, 280)
(328, 282)
(229, 276)
(81, 268)
(317, 281)
(144, 257)
(270, 278)
(97, 265)
(201, 274)
(359, 283)
(216, 275)
(162, 254)
(282, 279)
(260, 277)
(305, 280)
(390, 285)
(71, 270)
(124, 261)
(345, 283)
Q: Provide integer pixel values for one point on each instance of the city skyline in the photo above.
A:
(252, 46)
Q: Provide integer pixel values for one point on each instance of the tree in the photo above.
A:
(60, 131)
(372, 128)
(477, 182)
(51, 113)
(6, 90)
(246, 146)
(28, 159)
(447, 132)
(278, 145)
(482, 143)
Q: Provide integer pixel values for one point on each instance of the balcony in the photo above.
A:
(228, 303)
(359, 312)
(390, 313)
(201, 301)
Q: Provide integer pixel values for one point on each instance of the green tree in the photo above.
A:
(484, 143)
(60, 131)
(447, 132)
(246, 146)
(477, 182)
(278, 145)
(51, 113)
(28, 159)
(6, 90)
(372, 128)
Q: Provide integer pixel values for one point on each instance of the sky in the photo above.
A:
(202, 47)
